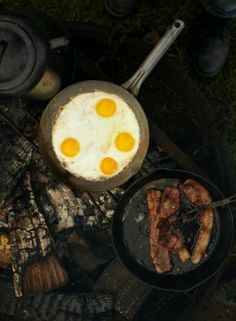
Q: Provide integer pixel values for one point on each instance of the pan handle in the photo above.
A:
(134, 83)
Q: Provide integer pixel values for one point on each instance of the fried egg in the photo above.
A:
(96, 135)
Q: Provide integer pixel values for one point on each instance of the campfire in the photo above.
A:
(57, 258)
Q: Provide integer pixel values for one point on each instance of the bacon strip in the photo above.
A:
(153, 204)
(170, 202)
(164, 235)
(197, 194)
(180, 249)
(169, 210)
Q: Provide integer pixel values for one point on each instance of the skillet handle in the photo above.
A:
(134, 83)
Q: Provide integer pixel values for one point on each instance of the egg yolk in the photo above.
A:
(124, 142)
(108, 166)
(106, 107)
(70, 147)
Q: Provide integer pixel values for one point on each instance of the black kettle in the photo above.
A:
(37, 55)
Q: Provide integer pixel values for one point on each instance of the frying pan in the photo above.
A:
(130, 231)
(133, 85)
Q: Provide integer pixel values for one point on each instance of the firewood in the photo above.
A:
(41, 276)
(5, 250)
(54, 305)
(35, 265)
(55, 200)
(14, 156)
(129, 293)
(62, 208)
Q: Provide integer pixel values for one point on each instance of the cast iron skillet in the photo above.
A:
(130, 230)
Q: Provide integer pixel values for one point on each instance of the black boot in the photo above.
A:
(119, 8)
(212, 47)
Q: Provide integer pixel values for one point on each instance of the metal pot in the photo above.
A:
(133, 85)
(37, 56)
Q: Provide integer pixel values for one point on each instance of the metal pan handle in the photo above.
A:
(134, 83)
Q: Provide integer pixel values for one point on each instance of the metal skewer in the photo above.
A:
(197, 208)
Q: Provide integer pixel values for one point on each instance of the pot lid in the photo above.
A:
(23, 55)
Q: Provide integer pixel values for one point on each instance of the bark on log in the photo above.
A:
(53, 306)
(62, 208)
(14, 157)
(34, 262)
(129, 293)
(55, 200)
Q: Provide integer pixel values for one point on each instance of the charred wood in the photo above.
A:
(54, 199)
(129, 293)
(34, 261)
(15, 155)
(53, 306)
(90, 249)
(62, 208)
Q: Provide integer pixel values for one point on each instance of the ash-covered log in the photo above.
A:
(35, 265)
(61, 207)
(14, 157)
(55, 200)
(55, 306)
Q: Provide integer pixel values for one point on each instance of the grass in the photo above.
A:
(157, 15)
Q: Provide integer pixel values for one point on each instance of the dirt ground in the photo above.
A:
(212, 310)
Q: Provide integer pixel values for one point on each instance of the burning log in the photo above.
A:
(62, 208)
(15, 155)
(58, 203)
(35, 265)
(53, 306)
(5, 250)
(54, 199)
(4, 210)
(5, 247)
(93, 217)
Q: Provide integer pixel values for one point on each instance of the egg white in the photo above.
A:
(96, 134)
